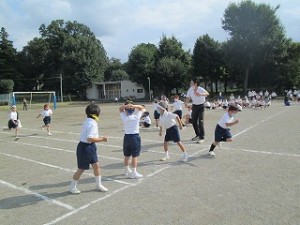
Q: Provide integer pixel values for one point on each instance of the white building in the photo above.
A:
(113, 89)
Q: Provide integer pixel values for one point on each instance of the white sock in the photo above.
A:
(98, 180)
(166, 153)
(133, 170)
(73, 184)
(127, 168)
(184, 153)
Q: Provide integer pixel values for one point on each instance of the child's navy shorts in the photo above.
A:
(12, 124)
(156, 115)
(222, 134)
(86, 155)
(179, 113)
(172, 134)
(47, 120)
(132, 145)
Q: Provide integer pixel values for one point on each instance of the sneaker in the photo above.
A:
(74, 191)
(184, 157)
(200, 141)
(211, 154)
(165, 158)
(101, 188)
(127, 171)
(17, 138)
(49, 134)
(135, 175)
(196, 138)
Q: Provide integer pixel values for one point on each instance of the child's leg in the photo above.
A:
(75, 180)
(17, 132)
(213, 145)
(48, 128)
(229, 140)
(166, 147)
(97, 173)
(181, 146)
(134, 162)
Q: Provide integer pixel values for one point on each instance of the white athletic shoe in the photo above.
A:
(101, 188)
(201, 141)
(165, 158)
(74, 191)
(49, 134)
(127, 172)
(135, 175)
(212, 154)
(184, 157)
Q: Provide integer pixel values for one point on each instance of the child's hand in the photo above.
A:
(104, 139)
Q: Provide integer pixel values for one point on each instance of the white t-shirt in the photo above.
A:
(146, 119)
(13, 115)
(46, 112)
(168, 119)
(197, 100)
(89, 129)
(131, 122)
(178, 105)
(226, 118)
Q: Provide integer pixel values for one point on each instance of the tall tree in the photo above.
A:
(7, 57)
(207, 60)
(257, 36)
(173, 65)
(75, 53)
(142, 64)
(115, 71)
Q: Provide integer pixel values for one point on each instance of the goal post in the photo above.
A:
(35, 97)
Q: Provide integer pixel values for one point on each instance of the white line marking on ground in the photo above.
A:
(60, 168)
(87, 205)
(263, 152)
(58, 149)
(45, 198)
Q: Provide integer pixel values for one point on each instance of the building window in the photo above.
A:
(132, 90)
(140, 90)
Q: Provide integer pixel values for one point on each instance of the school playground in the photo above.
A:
(255, 180)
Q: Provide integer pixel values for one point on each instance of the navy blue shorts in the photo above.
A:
(179, 113)
(132, 145)
(222, 134)
(12, 125)
(86, 155)
(47, 120)
(156, 115)
(172, 134)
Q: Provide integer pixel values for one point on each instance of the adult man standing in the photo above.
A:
(197, 95)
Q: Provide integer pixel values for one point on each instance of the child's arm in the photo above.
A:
(232, 123)
(179, 122)
(98, 139)
(139, 107)
(160, 130)
(38, 115)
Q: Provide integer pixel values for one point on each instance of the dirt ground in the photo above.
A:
(253, 181)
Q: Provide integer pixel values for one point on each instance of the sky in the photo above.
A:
(122, 24)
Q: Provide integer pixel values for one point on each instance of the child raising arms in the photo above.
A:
(222, 131)
(87, 149)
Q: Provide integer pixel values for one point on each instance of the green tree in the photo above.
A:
(208, 60)
(257, 37)
(6, 86)
(7, 57)
(173, 65)
(142, 64)
(75, 53)
(115, 71)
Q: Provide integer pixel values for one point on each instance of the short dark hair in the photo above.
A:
(128, 102)
(92, 109)
(196, 81)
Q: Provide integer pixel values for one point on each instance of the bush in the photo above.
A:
(6, 86)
